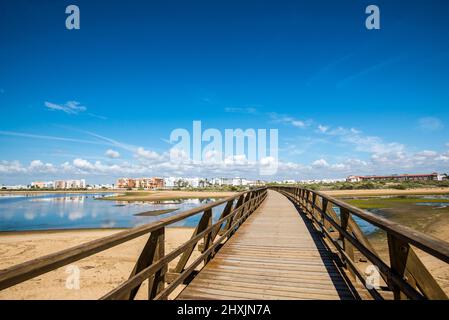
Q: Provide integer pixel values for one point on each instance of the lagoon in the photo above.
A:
(50, 211)
(423, 213)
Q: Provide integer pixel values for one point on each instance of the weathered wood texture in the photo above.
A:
(406, 276)
(276, 254)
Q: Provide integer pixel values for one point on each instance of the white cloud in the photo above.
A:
(39, 166)
(364, 143)
(70, 107)
(147, 154)
(112, 154)
(426, 154)
(321, 163)
(430, 124)
(399, 162)
(83, 164)
(288, 120)
(322, 128)
(11, 167)
(244, 110)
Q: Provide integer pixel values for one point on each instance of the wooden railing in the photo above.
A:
(152, 263)
(405, 275)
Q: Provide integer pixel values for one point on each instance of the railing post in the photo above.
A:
(314, 210)
(157, 282)
(150, 253)
(202, 225)
(399, 251)
(324, 203)
(237, 207)
(309, 206)
(226, 211)
(346, 244)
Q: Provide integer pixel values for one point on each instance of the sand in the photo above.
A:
(386, 192)
(104, 271)
(99, 273)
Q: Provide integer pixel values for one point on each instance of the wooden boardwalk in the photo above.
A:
(274, 251)
(275, 254)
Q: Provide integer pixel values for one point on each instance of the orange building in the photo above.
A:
(144, 183)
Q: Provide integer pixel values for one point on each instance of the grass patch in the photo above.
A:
(375, 203)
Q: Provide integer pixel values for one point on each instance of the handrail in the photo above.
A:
(152, 260)
(434, 246)
(406, 275)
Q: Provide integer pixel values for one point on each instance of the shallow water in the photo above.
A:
(420, 212)
(79, 211)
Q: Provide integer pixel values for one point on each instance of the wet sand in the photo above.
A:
(99, 273)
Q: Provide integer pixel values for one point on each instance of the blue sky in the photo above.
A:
(100, 102)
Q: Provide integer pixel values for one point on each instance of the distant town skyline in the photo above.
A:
(99, 103)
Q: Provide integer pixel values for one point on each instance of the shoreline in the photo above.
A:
(165, 195)
(60, 191)
(151, 195)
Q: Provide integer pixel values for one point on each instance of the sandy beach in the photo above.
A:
(99, 273)
(386, 192)
(104, 271)
(167, 195)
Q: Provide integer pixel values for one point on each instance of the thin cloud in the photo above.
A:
(289, 120)
(112, 154)
(367, 70)
(70, 107)
(430, 124)
(44, 137)
(245, 110)
(323, 71)
(106, 140)
(93, 115)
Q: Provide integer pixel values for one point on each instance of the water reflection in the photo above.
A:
(74, 211)
(366, 227)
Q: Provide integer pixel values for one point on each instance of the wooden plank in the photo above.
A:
(33, 268)
(274, 255)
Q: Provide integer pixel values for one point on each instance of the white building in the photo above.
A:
(42, 184)
(69, 184)
(14, 187)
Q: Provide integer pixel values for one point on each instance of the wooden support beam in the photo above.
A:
(202, 225)
(149, 253)
(398, 260)
(156, 283)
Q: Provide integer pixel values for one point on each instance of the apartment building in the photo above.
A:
(140, 183)
(400, 177)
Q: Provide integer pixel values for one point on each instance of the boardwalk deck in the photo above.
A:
(276, 254)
